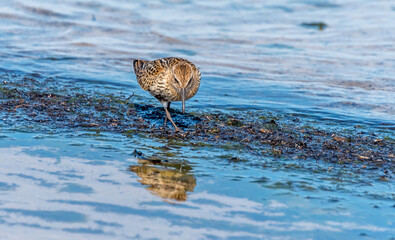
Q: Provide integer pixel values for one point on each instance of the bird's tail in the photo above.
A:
(138, 65)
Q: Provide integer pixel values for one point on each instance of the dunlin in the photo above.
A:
(168, 80)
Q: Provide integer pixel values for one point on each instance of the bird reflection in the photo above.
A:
(164, 179)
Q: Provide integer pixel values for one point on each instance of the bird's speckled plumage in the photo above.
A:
(167, 79)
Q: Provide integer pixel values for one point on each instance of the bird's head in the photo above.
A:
(182, 79)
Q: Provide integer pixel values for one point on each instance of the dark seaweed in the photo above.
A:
(38, 104)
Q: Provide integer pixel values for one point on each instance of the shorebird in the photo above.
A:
(168, 80)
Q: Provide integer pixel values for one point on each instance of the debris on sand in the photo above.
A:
(44, 106)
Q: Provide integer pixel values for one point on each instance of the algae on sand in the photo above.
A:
(25, 101)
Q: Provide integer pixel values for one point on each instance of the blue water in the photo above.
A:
(257, 52)
(254, 56)
(77, 185)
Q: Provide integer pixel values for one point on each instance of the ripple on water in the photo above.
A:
(95, 42)
(108, 199)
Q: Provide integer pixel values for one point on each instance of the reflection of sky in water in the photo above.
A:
(261, 49)
(88, 190)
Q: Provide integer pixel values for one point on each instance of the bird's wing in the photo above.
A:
(147, 72)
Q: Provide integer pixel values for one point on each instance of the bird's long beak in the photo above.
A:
(183, 100)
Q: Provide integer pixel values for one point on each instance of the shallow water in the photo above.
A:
(78, 185)
(253, 56)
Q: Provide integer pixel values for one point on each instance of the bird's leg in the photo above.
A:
(171, 120)
(168, 108)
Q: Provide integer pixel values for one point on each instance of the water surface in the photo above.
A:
(253, 55)
(80, 185)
